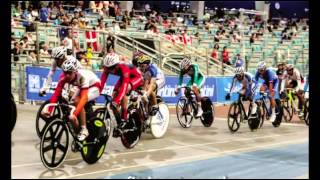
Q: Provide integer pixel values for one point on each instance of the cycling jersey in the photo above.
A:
(269, 77)
(296, 79)
(154, 72)
(53, 69)
(128, 74)
(197, 78)
(88, 84)
(247, 79)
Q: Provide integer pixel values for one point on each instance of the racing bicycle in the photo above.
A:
(264, 102)
(187, 108)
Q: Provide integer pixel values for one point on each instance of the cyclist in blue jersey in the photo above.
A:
(153, 79)
(249, 86)
(270, 85)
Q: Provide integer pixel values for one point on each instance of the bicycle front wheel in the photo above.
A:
(306, 112)
(54, 144)
(234, 117)
(184, 112)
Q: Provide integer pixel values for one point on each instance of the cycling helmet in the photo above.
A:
(144, 59)
(59, 52)
(239, 70)
(262, 65)
(185, 63)
(137, 54)
(70, 64)
(111, 59)
(290, 66)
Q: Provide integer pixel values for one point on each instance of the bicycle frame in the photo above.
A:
(189, 94)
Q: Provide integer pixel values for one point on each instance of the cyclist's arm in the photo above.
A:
(124, 86)
(53, 69)
(232, 84)
(83, 100)
(57, 92)
(196, 73)
(180, 78)
(104, 77)
(298, 78)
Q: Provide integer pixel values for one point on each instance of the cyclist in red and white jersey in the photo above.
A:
(60, 55)
(89, 89)
(130, 79)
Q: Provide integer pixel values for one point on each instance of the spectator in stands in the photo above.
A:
(28, 20)
(24, 44)
(82, 23)
(269, 26)
(44, 13)
(252, 38)
(110, 41)
(16, 51)
(81, 56)
(239, 61)
(74, 23)
(58, 20)
(159, 18)
(79, 6)
(148, 25)
(217, 36)
(165, 23)
(112, 11)
(115, 27)
(44, 49)
(225, 56)
(101, 25)
(34, 13)
(32, 56)
(68, 42)
(126, 18)
(106, 7)
(64, 30)
(215, 52)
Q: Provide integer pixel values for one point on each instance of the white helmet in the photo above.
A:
(59, 52)
(70, 64)
(262, 65)
(185, 62)
(111, 59)
(239, 70)
(289, 66)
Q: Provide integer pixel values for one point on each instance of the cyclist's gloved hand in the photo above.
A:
(228, 96)
(42, 93)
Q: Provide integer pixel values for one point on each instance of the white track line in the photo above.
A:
(188, 158)
(159, 149)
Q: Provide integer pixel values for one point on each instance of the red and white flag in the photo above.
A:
(91, 38)
(187, 40)
(176, 39)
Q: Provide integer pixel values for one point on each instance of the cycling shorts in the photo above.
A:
(199, 83)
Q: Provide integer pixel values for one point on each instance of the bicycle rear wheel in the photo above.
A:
(130, 137)
(208, 112)
(98, 134)
(287, 111)
(184, 112)
(234, 117)
(54, 144)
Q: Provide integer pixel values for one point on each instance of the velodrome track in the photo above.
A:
(196, 152)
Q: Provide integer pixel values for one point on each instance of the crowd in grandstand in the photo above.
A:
(57, 12)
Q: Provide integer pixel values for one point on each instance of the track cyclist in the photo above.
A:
(130, 79)
(293, 79)
(196, 82)
(248, 89)
(89, 89)
(60, 55)
(153, 80)
(270, 85)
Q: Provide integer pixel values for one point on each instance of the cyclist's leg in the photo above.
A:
(196, 86)
(300, 94)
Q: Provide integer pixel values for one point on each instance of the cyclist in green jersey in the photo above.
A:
(196, 82)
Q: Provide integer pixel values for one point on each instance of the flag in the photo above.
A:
(176, 39)
(91, 39)
(187, 40)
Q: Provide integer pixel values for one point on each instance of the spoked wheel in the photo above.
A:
(208, 112)
(287, 111)
(130, 137)
(95, 143)
(184, 112)
(42, 121)
(159, 123)
(306, 112)
(234, 117)
(279, 113)
(13, 113)
(54, 144)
